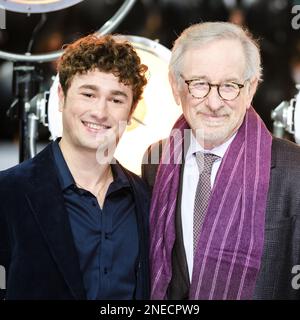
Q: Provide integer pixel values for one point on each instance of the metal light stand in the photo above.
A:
(29, 105)
(26, 84)
(286, 117)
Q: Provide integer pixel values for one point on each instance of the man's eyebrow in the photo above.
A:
(198, 77)
(89, 86)
(232, 79)
(119, 93)
(225, 79)
(95, 88)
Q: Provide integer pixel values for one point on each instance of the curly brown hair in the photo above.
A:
(107, 54)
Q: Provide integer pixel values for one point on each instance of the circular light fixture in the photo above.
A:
(108, 27)
(37, 6)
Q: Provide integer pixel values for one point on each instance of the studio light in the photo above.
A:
(286, 117)
(29, 105)
(37, 6)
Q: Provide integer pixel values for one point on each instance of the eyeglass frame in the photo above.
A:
(240, 86)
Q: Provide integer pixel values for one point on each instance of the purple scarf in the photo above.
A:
(230, 245)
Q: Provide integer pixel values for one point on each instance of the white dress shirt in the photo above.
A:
(190, 181)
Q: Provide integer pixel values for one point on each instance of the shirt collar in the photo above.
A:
(119, 175)
(196, 147)
(64, 175)
(66, 179)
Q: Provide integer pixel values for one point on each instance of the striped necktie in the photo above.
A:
(205, 162)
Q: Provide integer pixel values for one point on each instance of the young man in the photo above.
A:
(224, 224)
(73, 223)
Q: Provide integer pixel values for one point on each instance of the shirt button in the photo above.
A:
(105, 270)
(106, 236)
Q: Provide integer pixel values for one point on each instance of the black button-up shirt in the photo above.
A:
(106, 239)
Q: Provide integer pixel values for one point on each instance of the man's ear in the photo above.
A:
(175, 87)
(252, 87)
(61, 97)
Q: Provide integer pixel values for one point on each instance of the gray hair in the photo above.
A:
(202, 33)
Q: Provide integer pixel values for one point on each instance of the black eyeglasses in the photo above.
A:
(227, 90)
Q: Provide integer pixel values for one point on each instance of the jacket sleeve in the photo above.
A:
(4, 245)
(4, 253)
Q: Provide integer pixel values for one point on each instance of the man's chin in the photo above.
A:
(93, 145)
(215, 133)
(211, 130)
(105, 153)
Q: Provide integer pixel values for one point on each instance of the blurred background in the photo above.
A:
(160, 20)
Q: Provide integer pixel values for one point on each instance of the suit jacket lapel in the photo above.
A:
(180, 282)
(46, 202)
(181, 250)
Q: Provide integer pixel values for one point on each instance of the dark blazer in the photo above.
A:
(282, 225)
(36, 242)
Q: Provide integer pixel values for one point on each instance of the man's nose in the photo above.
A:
(213, 99)
(100, 106)
(99, 110)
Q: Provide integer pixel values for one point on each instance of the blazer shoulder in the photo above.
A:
(154, 152)
(15, 173)
(285, 153)
(138, 182)
(151, 161)
(23, 171)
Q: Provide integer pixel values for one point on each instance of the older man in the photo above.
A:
(224, 223)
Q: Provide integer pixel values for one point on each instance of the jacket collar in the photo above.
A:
(46, 201)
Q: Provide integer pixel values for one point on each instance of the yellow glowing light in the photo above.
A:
(158, 111)
(138, 115)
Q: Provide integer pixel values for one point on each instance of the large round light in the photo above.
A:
(36, 6)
